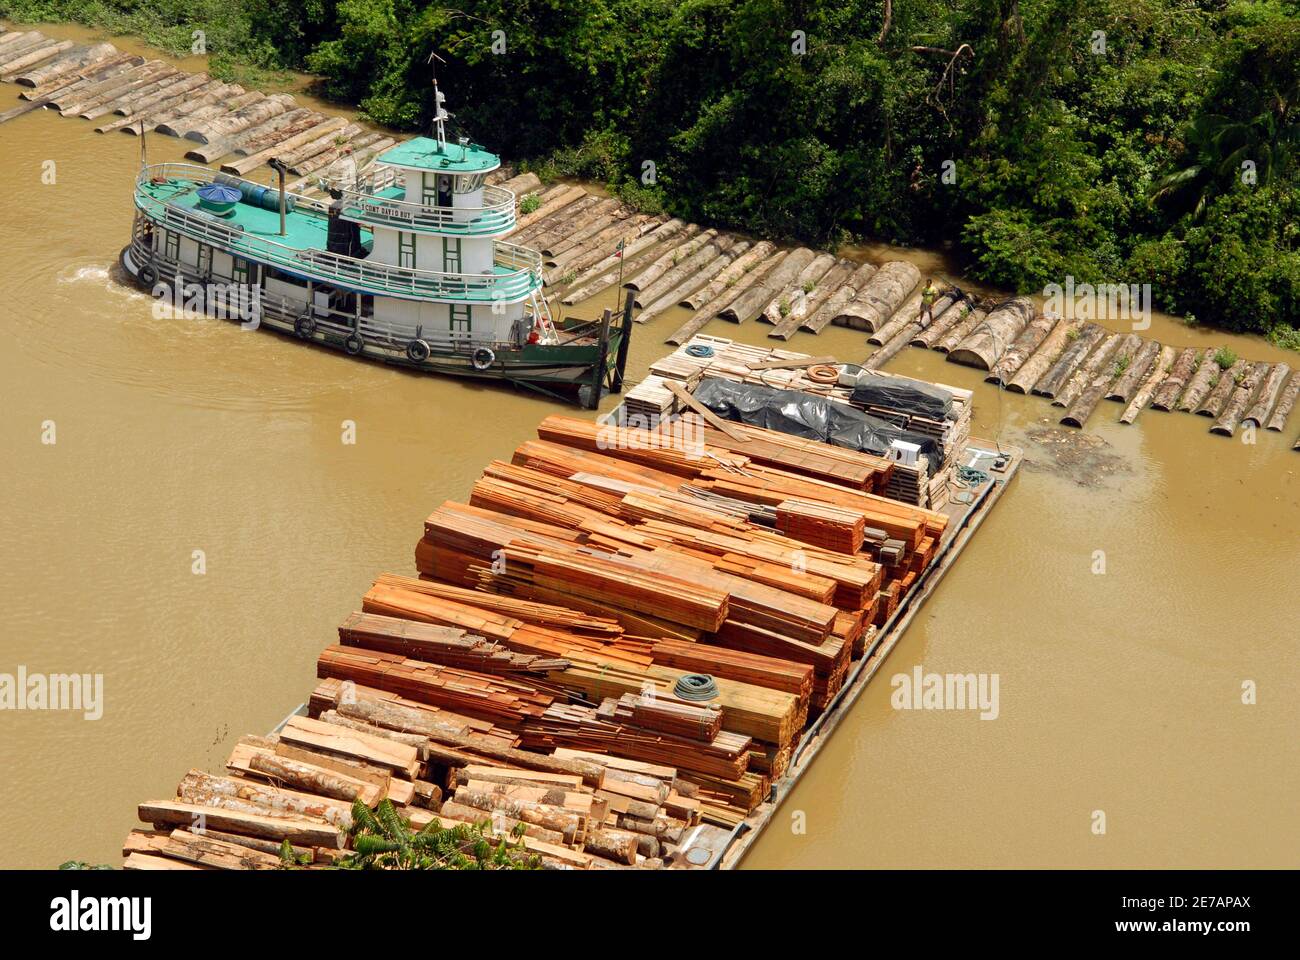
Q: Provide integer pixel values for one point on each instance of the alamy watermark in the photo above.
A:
(919, 690)
(225, 301)
(53, 691)
(641, 432)
(1103, 301)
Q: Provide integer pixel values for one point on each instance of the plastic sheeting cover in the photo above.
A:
(874, 390)
(805, 415)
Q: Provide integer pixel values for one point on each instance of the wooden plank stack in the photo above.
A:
(532, 676)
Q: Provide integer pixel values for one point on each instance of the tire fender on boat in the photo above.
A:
(353, 344)
(482, 358)
(417, 351)
(147, 275)
(304, 326)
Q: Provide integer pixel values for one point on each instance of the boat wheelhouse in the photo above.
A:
(407, 265)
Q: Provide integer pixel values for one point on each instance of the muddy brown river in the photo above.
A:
(1119, 692)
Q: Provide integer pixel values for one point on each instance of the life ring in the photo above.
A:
(147, 275)
(353, 344)
(483, 358)
(305, 326)
(417, 351)
(823, 373)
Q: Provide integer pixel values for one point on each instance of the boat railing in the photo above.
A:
(496, 215)
(288, 309)
(519, 275)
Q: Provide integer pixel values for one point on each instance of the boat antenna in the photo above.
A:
(440, 114)
(144, 156)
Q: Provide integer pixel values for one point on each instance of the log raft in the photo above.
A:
(1171, 387)
(988, 340)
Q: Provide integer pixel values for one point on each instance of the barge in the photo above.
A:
(406, 265)
(631, 640)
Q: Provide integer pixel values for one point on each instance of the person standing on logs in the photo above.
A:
(928, 296)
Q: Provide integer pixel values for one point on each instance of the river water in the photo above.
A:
(1120, 692)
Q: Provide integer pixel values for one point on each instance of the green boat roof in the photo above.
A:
(304, 229)
(425, 153)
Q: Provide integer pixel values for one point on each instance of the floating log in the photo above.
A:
(228, 125)
(356, 148)
(1135, 370)
(566, 232)
(791, 299)
(689, 267)
(562, 199)
(68, 86)
(882, 295)
(522, 184)
(809, 303)
(330, 141)
(1081, 340)
(1159, 369)
(1030, 339)
(1239, 399)
(262, 135)
(1203, 371)
(594, 247)
(670, 258)
(547, 226)
(909, 311)
(57, 90)
(710, 270)
(1171, 387)
(254, 160)
(1221, 389)
(13, 45)
(192, 102)
(944, 320)
(139, 101)
(33, 56)
(1104, 371)
(141, 88)
(609, 263)
(752, 301)
(1285, 403)
(960, 330)
(601, 254)
(990, 339)
(1043, 357)
(889, 350)
(164, 117)
(1099, 361)
(819, 319)
(610, 214)
(74, 60)
(110, 88)
(1268, 394)
(733, 272)
(737, 289)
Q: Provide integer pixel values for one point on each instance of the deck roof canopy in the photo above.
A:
(426, 153)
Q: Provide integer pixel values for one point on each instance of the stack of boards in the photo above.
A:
(924, 484)
(542, 669)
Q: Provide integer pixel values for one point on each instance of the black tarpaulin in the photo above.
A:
(805, 415)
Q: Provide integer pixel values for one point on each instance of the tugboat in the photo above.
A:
(406, 265)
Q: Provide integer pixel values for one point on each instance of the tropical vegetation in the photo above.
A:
(1117, 141)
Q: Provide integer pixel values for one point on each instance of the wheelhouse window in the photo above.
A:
(406, 250)
(451, 254)
(428, 190)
